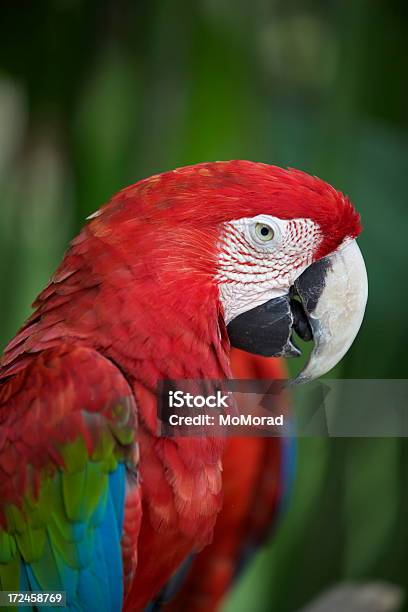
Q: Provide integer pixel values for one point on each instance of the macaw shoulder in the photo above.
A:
(58, 392)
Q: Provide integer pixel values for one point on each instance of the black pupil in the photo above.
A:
(265, 231)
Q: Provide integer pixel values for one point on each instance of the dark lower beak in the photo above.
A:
(326, 304)
(267, 329)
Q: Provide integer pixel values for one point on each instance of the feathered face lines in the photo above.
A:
(261, 257)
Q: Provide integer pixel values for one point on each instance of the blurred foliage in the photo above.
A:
(94, 95)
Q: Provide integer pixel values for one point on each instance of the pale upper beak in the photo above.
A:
(333, 295)
(336, 315)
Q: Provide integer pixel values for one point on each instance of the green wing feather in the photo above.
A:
(66, 498)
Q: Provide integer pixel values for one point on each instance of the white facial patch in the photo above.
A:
(260, 258)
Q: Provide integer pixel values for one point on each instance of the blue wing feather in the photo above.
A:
(98, 586)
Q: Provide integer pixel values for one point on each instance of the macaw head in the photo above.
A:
(274, 249)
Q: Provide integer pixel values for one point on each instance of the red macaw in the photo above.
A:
(158, 285)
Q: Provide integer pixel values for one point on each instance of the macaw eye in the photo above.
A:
(264, 232)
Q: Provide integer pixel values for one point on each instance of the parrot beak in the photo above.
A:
(326, 304)
(333, 292)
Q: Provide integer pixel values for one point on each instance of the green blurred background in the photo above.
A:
(95, 95)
